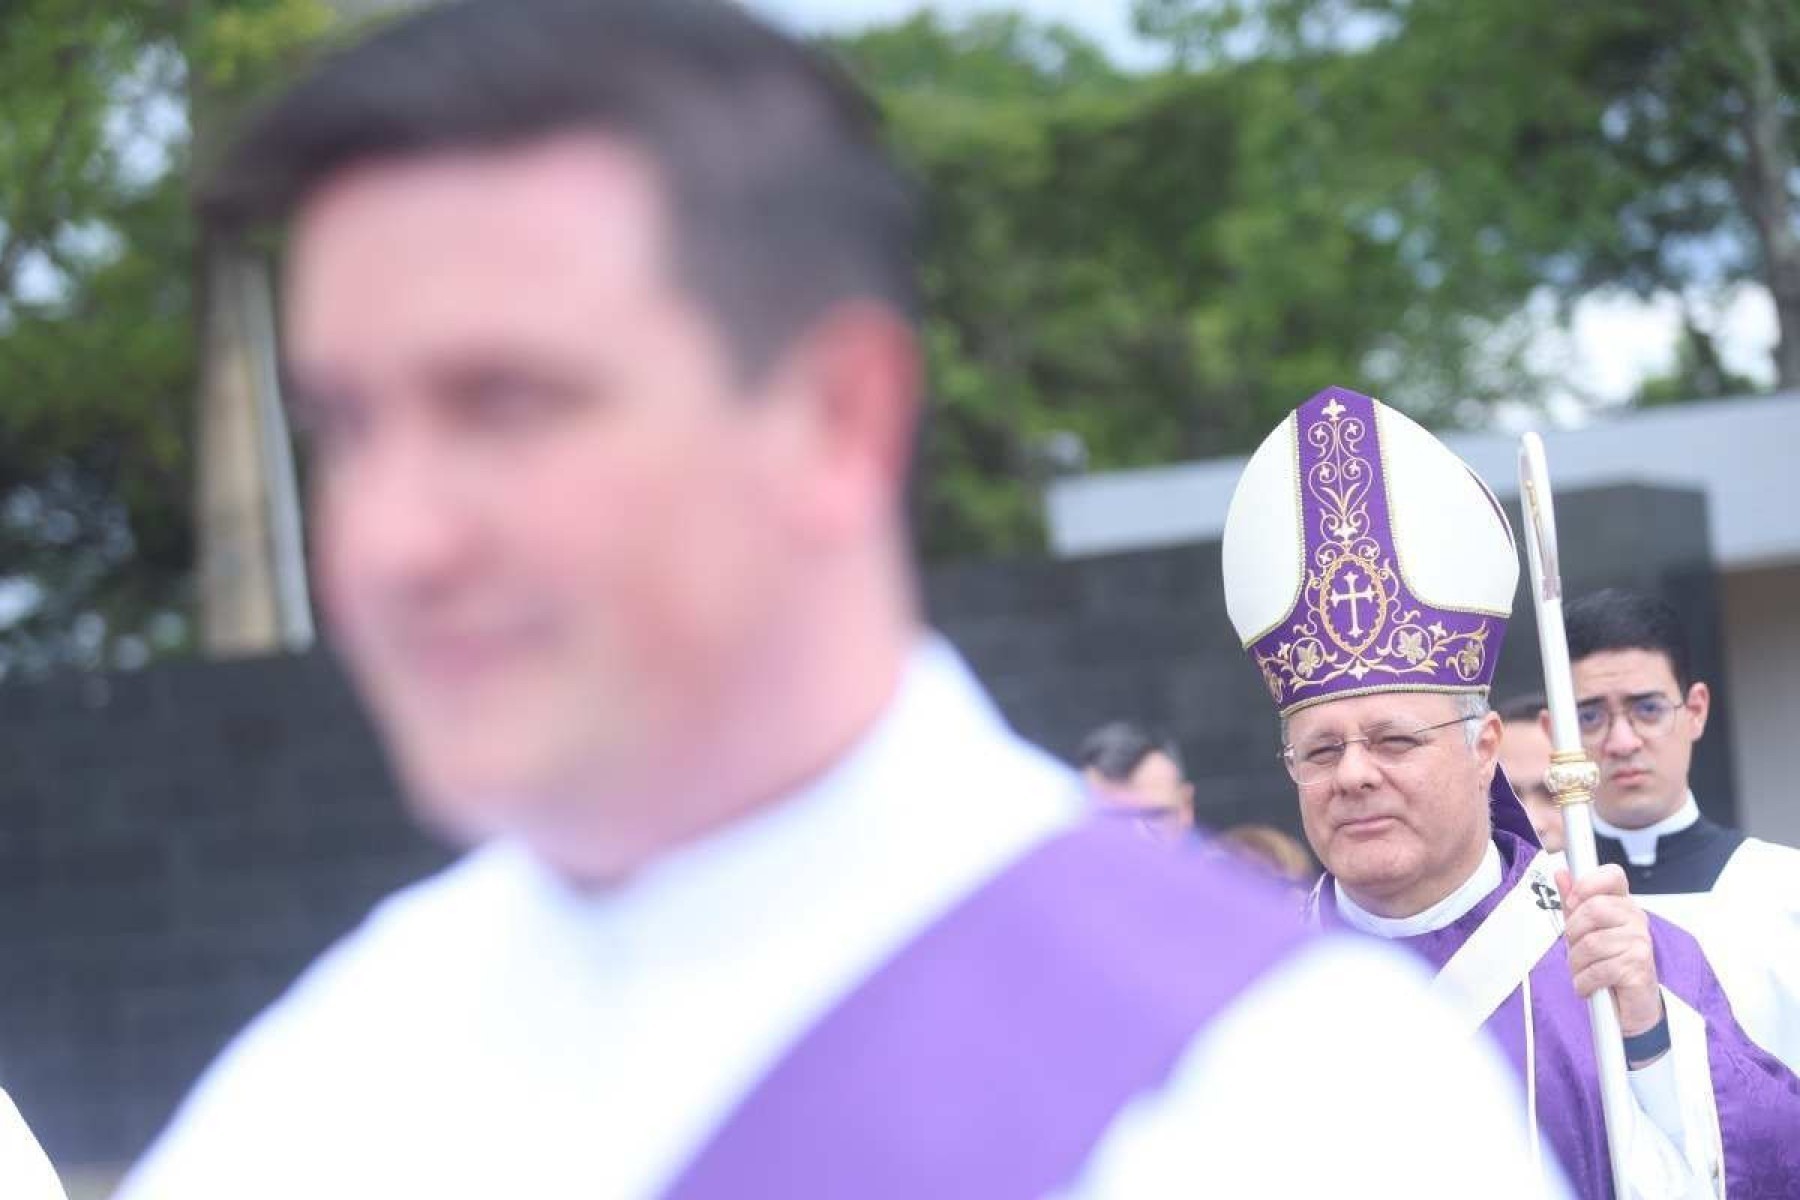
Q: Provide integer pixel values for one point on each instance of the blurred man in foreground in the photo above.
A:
(1641, 712)
(1525, 757)
(1138, 775)
(1370, 574)
(601, 317)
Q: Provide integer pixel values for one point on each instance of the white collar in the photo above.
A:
(901, 792)
(1488, 876)
(1640, 844)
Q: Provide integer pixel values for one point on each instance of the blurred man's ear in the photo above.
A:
(857, 376)
(1699, 705)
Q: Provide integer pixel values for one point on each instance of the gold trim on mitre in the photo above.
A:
(1386, 689)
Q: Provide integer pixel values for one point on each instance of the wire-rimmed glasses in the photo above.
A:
(1389, 748)
(1650, 716)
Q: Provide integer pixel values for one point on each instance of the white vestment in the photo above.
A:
(25, 1172)
(1742, 905)
(492, 1032)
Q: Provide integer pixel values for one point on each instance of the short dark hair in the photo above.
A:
(1615, 619)
(1118, 748)
(1521, 708)
(783, 201)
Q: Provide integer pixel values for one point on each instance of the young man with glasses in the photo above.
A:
(1370, 575)
(1641, 712)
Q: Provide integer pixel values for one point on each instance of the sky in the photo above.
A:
(1614, 343)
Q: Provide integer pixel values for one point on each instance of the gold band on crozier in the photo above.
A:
(1573, 778)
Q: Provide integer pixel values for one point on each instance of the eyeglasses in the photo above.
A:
(1650, 716)
(1389, 749)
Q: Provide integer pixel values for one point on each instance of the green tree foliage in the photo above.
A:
(1159, 265)
(1698, 372)
(1124, 267)
(97, 303)
(1578, 147)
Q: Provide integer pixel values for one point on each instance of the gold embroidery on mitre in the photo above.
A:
(1353, 620)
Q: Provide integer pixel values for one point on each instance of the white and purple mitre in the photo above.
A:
(1361, 555)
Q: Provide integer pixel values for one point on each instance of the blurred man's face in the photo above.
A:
(1401, 820)
(1525, 757)
(1643, 771)
(548, 522)
(1156, 791)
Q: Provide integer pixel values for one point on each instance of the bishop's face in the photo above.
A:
(1400, 819)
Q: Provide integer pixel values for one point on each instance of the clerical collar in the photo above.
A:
(1640, 844)
(864, 825)
(1486, 878)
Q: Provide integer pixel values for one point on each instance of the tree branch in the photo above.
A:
(1768, 165)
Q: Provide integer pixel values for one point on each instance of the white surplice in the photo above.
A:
(25, 1171)
(1744, 912)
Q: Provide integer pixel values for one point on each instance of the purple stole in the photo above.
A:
(1758, 1098)
(988, 1057)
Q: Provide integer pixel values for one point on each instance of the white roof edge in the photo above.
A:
(1739, 452)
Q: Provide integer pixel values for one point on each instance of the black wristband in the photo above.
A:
(1650, 1044)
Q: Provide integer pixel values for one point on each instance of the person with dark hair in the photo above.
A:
(1525, 757)
(1370, 574)
(1641, 712)
(600, 316)
(1135, 773)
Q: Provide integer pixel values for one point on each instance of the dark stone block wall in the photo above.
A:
(176, 844)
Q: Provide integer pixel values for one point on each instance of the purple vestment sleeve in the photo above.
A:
(1758, 1097)
(989, 1056)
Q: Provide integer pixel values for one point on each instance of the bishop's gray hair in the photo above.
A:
(1474, 706)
